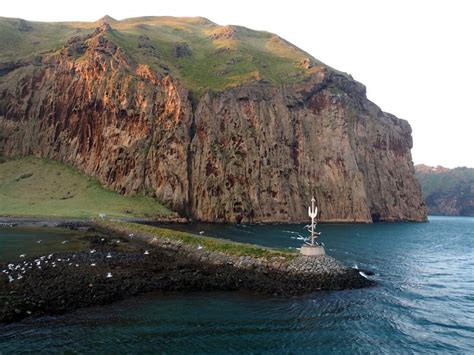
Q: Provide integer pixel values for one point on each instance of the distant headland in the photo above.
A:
(448, 192)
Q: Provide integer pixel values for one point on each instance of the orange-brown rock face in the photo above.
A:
(252, 153)
(262, 152)
(100, 113)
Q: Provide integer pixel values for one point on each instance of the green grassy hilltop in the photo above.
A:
(31, 187)
(202, 54)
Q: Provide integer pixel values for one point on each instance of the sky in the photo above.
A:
(415, 57)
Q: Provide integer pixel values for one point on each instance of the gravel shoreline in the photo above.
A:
(116, 267)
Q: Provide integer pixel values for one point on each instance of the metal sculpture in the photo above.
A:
(313, 213)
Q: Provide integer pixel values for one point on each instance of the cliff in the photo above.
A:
(251, 139)
(448, 192)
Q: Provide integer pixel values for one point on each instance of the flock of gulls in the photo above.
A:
(16, 271)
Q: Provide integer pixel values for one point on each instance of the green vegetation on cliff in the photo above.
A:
(447, 191)
(31, 187)
(201, 53)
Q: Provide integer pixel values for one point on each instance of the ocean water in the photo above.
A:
(35, 241)
(423, 303)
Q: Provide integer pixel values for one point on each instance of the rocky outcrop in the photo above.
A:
(256, 152)
(181, 50)
(448, 192)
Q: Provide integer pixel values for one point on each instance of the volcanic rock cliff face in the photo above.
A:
(112, 120)
(255, 152)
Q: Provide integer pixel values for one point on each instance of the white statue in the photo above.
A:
(312, 248)
(313, 213)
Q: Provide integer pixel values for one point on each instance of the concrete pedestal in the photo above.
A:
(315, 250)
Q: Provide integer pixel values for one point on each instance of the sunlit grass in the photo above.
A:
(43, 188)
(209, 244)
(214, 63)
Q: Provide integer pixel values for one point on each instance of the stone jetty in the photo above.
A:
(126, 259)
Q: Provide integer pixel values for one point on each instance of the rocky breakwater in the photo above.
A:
(278, 271)
(124, 260)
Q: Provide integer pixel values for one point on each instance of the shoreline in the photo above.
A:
(64, 222)
(143, 259)
(53, 221)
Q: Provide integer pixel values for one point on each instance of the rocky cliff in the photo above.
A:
(448, 192)
(256, 150)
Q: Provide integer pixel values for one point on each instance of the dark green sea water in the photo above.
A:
(424, 301)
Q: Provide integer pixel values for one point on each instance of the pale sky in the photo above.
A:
(415, 57)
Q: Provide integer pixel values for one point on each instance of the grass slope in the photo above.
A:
(32, 187)
(208, 243)
(217, 56)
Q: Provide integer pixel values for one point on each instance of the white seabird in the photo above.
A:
(201, 232)
(108, 256)
(109, 275)
(146, 252)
